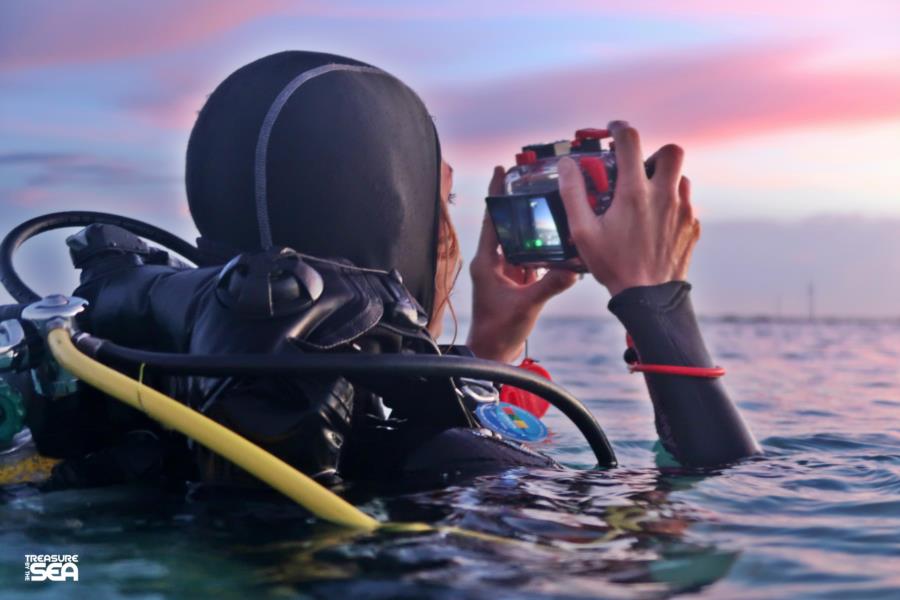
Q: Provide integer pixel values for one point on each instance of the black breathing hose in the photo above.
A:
(360, 364)
(11, 311)
(264, 364)
(78, 218)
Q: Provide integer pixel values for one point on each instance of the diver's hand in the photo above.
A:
(506, 300)
(647, 235)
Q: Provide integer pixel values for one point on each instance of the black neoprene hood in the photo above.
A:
(323, 154)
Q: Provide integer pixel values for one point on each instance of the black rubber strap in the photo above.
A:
(360, 364)
(60, 220)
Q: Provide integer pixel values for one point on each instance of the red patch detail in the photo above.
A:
(526, 400)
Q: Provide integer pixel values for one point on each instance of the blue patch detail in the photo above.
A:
(511, 422)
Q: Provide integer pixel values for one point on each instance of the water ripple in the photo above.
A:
(818, 516)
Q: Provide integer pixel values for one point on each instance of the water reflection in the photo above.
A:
(816, 517)
(576, 534)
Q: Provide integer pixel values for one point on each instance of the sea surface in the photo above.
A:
(817, 517)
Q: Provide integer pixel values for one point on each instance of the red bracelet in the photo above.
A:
(636, 366)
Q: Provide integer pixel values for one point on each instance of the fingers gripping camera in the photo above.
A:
(530, 219)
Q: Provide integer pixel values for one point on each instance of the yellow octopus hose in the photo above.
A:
(221, 440)
(275, 472)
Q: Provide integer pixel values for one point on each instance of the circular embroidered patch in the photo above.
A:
(511, 422)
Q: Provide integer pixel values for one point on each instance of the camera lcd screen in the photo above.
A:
(528, 227)
(525, 224)
(542, 226)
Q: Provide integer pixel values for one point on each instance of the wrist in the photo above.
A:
(660, 319)
(618, 286)
(650, 295)
(491, 344)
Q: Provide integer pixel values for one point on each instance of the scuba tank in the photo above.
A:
(12, 413)
(20, 461)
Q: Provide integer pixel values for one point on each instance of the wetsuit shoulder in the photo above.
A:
(138, 295)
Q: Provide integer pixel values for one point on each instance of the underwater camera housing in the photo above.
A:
(530, 219)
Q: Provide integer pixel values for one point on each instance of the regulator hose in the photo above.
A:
(17, 288)
(11, 311)
(359, 364)
(171, 413)
(270, 469)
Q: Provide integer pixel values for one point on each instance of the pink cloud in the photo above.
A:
(176, 96)
(699, 96)
(40, 34)
(30, 197)
(43, 33)
(809, 10)
(702, 97)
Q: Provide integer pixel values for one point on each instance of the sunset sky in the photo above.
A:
(789, 112)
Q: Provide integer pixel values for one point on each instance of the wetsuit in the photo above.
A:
(697, 422)
(333, 158)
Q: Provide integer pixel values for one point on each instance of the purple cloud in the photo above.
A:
(51, 179)
(700, 97)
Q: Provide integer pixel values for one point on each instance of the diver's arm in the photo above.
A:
(640, 249)
(696, 420)
(506, 299)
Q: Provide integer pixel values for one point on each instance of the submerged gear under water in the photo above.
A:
(818, 518)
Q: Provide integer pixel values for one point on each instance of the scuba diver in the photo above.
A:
(321, 196)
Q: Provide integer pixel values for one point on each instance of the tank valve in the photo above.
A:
(13, 347)
(52, 312)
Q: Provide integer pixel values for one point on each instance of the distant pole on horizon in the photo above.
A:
(811, 295)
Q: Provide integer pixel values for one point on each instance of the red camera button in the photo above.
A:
(594, 168)
(591, 133)
(526, 158)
